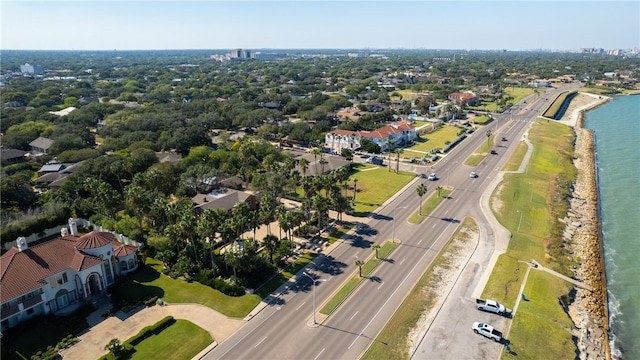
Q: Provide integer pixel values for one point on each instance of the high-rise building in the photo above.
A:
(31, 69)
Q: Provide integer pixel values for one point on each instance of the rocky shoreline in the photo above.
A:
(589, 311)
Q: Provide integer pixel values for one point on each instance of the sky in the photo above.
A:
(300, 24)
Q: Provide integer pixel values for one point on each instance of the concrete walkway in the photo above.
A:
(123, 326)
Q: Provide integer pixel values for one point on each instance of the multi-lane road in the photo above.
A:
(284, 328)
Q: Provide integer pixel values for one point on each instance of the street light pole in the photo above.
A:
(519, 222)
(314, 294)
(531, 196)
(393, 223)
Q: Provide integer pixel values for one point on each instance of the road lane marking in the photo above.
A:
(397, 289)
(402, 261)
(299, 306)
(260, 342)
(354, 315)
(317, 356)
(382, 283)
(419, 241)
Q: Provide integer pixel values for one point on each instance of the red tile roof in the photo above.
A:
(120, 249)
(381, 133)
(94, 240)
(27, 270)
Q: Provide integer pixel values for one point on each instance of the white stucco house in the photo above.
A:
(59, 275)
(395, 134)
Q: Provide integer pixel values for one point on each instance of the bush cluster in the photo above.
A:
(206, 278)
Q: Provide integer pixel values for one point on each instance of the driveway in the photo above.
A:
(123, 326)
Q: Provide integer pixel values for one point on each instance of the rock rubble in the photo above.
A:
(582, 236)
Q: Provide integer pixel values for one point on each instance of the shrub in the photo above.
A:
(151, 301)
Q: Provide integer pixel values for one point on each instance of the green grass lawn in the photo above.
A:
(481, 152)
(150, 281)
(429, 205)
(376, 186)
(514, 161)
(527, 205)
(181, 340)
(353, 283)
(336, 235)
(392, 342)
(534, 329)
(436, 139)
(481, 120)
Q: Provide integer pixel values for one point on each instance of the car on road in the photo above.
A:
(493, 152)
(504, 138)
(364, 156)
(432, 177)
(487, 330)
(473, 175)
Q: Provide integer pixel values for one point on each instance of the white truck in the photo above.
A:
(490, 306)
(487, 330)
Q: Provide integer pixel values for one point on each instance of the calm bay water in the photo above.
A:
(617, 130)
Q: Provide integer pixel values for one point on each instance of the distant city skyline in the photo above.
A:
(474, 25)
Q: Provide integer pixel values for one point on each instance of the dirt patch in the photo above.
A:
(443, 278)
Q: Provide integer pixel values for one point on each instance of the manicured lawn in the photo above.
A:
(353, 283)
(392, 342)
(528, 206)
(540, 327)
(429, 205)
(436, 139)
(150, 281)
(513, 163)
(180, 341)
(481, 120)
(375, 187)
(481, 152)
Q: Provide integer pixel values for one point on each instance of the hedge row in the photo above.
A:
(151, 330)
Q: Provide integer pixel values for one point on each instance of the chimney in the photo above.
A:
(22, 243)
(73, 228)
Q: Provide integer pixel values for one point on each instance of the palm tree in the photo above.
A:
(438, 189)
(376, 247)
(271, 243)
(304, 165)
(359, 264)
(421, 189)
(355, 188)
(488, 136)
(316, 152)
(323, 162)
(389, 144)
(398, 152)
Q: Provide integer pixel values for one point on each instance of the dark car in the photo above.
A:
(504, 138)
(493, 152)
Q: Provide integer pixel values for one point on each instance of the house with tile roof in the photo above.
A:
(466, 97)
(58, 276)
(395, 134)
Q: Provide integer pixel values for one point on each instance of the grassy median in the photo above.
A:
(393, 342)
(353, 283)
(429, 205)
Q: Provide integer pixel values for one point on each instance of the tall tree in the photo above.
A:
(359, 264)
(421, 189)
